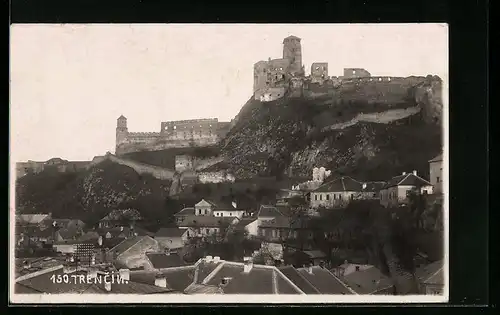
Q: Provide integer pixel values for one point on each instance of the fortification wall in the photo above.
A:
(215, 177)
(155, 171)
(380, 118)
(270, 94)
(201, 164)
(165, 144)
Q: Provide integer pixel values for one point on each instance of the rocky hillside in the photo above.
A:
(292, 136)
(91, 194)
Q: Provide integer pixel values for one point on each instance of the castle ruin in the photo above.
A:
(172, 134)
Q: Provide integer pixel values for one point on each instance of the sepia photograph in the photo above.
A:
(246, 163)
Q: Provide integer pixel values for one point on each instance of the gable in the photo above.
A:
(203, 203)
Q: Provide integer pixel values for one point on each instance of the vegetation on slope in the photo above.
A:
(92, 194)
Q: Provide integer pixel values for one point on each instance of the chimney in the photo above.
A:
(248, 266)
(404, 173)
(161, 282)
(415, 173)
(121, 228)
(216, 259)
(167, 251)
(208, 258)
(99, 241)
(107, 286)
(364, 185)
(234, 204)
(27, 264)
(310, 269)
(125, 274)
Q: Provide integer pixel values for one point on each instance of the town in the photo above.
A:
(328, 234)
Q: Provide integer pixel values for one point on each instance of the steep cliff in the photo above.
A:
(295, 135)
(91, 194)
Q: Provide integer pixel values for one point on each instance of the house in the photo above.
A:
(184, 213)
(397, 190)
(119, 218)
(67, 234)
(42, 282)
(33, 236)
(436, 173)
(161, 261)
(282, 228)
(219, 209)
(171, 238)
(364, 279)
(431, 278)
(248, 225)
(308, 258)
(316, 280)
(205, 225)
(339, 192)
(268, 212)
(131, 252)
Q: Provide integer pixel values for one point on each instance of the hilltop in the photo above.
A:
(298, 134)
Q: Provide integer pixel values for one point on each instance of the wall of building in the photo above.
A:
(356, 73)
(436, 176)
(226, 213)
(292, 50)
(173, 134)
(270, 94)
(331, 199)
(319, 72)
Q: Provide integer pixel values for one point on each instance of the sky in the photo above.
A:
(69, 83)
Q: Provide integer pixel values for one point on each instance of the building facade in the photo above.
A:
(319, 72)
(436, 173)
(399, 188)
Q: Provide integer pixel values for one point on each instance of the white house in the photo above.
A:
(397, 190)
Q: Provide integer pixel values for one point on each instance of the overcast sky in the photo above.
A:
(69, 83)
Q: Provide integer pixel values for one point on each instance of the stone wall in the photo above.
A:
(215, 177)
(270, 94)
(155, 171)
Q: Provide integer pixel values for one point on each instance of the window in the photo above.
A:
(351, 196)
(320, 197)
(408, 193)
(175, 127)
(317, 68)
(374, 194)
(334, 196)
(315, 197)
(327, 197)
(437, 179)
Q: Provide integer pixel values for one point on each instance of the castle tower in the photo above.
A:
(292, 51)
(121, 130)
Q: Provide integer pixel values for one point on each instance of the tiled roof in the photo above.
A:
(205, 221)
(31, 218)
(293, 274)
(127, 244)
(244, 222)
(185, 211)
(122, 213)
(260, 280)
(367, 280)
(178, 279)
(268, 211)
(277, 222)
(68, 234)
(170, 232)
(324, 281)
(194, 288)
(161, 260)
(373, 186)
(432, 273)
(344, 183)
(438, 158)
(407, 180)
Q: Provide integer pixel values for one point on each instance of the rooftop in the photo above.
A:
(432, 273)
(408, 179)
(186, 211)
(170, 232)
(206, 221)
(367, 280)
(268, 211)
(324, 281)
(162, 260)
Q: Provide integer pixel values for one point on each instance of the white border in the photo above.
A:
(253, 299)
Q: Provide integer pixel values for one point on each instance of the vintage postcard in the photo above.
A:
(275, 163)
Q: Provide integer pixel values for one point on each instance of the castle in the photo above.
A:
(172, 134)
(276, 77)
